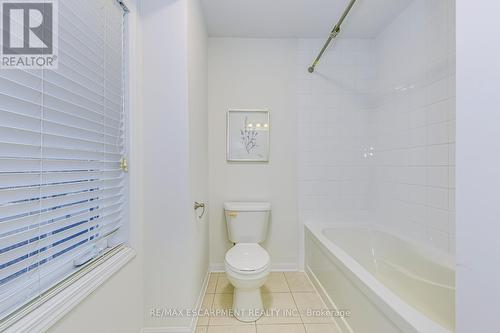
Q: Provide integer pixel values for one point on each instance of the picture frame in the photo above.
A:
(248, 135)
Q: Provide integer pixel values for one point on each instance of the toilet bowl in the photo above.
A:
(247, 263)
(247, 268)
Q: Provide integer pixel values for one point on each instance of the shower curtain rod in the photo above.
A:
(335, 31)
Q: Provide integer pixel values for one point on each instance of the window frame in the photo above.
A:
(43, 312)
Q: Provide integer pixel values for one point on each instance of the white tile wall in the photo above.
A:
(413, 123)
(333, 111)
(392, 97)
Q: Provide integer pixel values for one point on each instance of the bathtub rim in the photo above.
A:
(434, 255)
(402, 314)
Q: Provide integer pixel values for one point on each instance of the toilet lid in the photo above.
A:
(247, 257)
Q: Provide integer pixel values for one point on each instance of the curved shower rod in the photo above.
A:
(335, 31)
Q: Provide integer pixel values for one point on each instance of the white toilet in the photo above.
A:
(247, 263)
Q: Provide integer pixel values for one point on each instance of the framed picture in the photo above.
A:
(248, 135)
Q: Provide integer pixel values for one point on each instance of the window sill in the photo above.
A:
(48, 313)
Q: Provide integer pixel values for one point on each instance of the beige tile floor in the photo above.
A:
(288, 290)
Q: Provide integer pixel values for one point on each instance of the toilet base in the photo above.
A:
(247, 304)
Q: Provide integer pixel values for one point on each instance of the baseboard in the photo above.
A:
(199, 302)
(275, 267)
(192, 326)
(285, 267)
(215, 268)
(166, 330)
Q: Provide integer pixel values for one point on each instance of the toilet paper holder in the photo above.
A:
(198, 205)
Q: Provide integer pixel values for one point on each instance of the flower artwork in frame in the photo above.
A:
(248, 135)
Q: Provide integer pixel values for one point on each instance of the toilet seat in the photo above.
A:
(247, 258)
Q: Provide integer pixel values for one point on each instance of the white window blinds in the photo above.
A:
(62, 138)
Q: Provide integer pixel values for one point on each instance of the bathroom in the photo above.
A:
(250, 166)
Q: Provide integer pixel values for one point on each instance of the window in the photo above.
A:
(62, 147)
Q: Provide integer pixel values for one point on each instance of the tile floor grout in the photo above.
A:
(294, 301)
(216, 287)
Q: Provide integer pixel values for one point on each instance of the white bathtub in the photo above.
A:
(388, 284)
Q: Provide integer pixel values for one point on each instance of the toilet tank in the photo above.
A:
(247, 221)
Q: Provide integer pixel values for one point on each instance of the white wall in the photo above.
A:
(334, 103)
(412, 127)
(174, 98)
(478, 179)
(254, 73)
(198, 142)
(166, 158)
